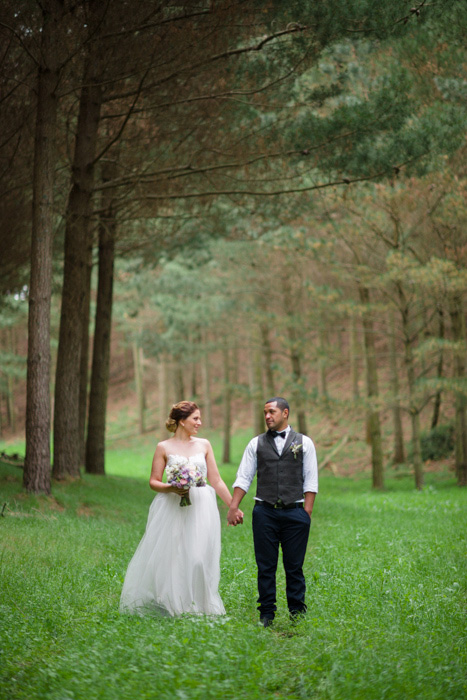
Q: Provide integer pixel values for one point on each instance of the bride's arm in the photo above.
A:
(158, 466)
(215, 478)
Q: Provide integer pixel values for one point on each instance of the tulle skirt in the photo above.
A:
(175, 568)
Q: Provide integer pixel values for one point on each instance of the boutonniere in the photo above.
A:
(296, 447)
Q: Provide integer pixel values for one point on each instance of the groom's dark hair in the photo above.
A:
(281, 403)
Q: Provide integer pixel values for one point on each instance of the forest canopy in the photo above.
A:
(258, 197)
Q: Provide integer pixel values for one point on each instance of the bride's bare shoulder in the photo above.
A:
(163, 446)
(202, 442)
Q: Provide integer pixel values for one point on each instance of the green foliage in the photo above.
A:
(438, 443)
(369, 105)
(386, 593)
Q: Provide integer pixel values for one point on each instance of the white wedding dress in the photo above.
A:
(175, 568)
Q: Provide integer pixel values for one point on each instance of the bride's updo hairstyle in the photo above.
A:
(179, 411)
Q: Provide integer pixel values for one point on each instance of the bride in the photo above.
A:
(175, 568)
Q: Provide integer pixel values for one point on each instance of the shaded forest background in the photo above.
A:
(237, 199)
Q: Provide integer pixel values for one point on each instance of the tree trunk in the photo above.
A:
(36, 474)
(459, 336)
(298, 383)
(227, 408)
(179, 383)
(295, 358)
(95, 445)
(413, 409)
(373, 420)
(439, 369)
(296, 362)
(84, 364)
(398, 449)
(256, 389)
(235, 365)
(268, 362)
(194, 381)
(322, 362)
(77, 232)
(354, 358)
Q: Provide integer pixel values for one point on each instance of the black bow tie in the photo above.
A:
(274, 433)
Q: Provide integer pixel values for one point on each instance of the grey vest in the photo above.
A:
(279, 477)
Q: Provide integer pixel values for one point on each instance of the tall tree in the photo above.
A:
(67, 444)
(373, 418)
(398, 451)
(95, 444)
(36, 476)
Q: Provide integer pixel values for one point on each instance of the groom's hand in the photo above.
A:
(234, 516)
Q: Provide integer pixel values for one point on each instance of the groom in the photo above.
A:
(287, 483)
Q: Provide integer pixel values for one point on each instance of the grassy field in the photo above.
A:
(386, 579)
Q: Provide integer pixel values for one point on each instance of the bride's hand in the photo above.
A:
(179, 490)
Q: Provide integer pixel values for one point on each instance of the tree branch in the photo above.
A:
(20, 41)
(271, 193)
(189, 67)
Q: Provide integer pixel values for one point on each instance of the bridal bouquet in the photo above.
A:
(183, 474)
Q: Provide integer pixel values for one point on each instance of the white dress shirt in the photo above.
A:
(248, 466)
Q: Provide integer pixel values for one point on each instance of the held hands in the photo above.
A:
(235, 516)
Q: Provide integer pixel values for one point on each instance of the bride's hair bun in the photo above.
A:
(179, 411)
(171, 425)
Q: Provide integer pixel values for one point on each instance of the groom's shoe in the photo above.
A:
(266, 621)
(296, 616)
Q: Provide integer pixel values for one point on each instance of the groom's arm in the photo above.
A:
(310, 474)
(234, 515)
(309, 501)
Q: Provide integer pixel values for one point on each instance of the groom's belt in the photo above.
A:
(280, 505)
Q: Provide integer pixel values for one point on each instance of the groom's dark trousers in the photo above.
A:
(287, 528)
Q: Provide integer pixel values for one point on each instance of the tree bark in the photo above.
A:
(194, 381)
(77, 232)
(36, 474)
(459, 336)
(398, 448)
(179, 382)
(295, 358)
(439, 370)
(84, 364)
(354, 358)
(373, 420)
(413, 408)
(298, 383)
(95, 445)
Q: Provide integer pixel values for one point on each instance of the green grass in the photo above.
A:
(386, 579)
